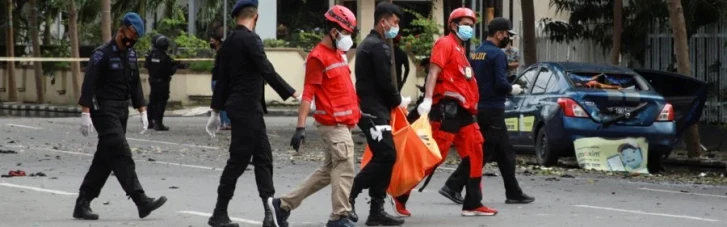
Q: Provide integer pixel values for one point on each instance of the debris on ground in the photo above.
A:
(107, 203)
(8, 152)
(552, 179)
(38, 174)
(173, 187)
(15, 173)
(567, 176)
(490, 174)
(151, 160)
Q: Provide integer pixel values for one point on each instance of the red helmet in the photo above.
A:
(343, 17)
(462, 12)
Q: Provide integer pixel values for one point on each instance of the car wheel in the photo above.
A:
(654, 164)
(545, 154)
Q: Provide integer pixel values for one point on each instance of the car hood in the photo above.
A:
(686, 94)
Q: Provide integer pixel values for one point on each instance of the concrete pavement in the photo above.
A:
(185, 164)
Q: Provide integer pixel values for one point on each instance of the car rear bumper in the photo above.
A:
(660, 135)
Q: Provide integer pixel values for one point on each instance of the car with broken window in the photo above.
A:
(565, 101)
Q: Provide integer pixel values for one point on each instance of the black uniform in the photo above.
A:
(377, 97)
(243, 70)
(112, 78)
(402, 66)
(161, 67)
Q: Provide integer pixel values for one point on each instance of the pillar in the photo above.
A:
(267, 24)
(192, 14)
(365, 17)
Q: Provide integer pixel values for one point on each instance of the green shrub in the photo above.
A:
(275, 43)
(421, 44)
(189, 46)
(201, 66)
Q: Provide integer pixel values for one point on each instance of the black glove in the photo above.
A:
(298, 137)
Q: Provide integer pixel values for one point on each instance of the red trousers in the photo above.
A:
(468, 142)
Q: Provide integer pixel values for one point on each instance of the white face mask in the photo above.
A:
(344, 43)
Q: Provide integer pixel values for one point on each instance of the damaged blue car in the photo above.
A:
(565, 101)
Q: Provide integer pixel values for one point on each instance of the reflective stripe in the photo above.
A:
(335, 65)
(335, 114)
(455, 95)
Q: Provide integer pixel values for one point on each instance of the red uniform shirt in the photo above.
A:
(457, 80)
(328, 79)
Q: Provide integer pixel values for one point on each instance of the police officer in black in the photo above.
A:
(161, 67)
(244, 68)
(112, 78)
(378, 96)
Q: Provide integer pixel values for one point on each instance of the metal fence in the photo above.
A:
(578, 51)
(707, 51)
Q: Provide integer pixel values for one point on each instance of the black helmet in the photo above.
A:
(162, 43)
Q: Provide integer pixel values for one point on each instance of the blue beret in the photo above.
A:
(134, 20)
(242, 4)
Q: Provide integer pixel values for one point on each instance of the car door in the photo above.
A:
(535, 104)
(513, 106)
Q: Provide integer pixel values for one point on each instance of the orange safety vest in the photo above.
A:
(452, 82)
(336, 100)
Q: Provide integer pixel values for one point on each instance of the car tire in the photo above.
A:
(544, 152)
(655, 161)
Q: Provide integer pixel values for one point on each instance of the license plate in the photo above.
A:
(619, 109)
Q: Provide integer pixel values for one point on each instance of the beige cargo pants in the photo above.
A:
(337, 170)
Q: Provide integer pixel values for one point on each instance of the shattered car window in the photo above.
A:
(605, 81)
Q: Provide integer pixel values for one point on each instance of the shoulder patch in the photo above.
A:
(97, 56)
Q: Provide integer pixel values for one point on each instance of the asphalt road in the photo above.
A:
(185, 164)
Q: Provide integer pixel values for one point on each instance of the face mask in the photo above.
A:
(464, 32)
(212, 45)
(344, 43)
(392, 32)
(128, 42)
(503, 43)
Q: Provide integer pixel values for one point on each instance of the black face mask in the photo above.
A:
(128, 42)
(213, 46)
(503, 43)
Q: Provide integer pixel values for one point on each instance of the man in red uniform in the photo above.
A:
(452, 89)
(328, 80)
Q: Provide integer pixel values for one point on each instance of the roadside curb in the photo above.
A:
(700, 163)
(70, 109)
(41, 107)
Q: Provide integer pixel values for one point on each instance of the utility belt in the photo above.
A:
(100, 104)
(452, 115)
(157, 80)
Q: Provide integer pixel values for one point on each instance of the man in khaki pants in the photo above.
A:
(328, 80)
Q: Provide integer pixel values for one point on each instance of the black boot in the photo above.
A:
(83, 209)
(379, 217)
(269, 220)
(353, 216)
(146, 205)
(158, 126)
(219, 216)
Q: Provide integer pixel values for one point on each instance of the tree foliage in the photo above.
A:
(593, 20)
(422, 32)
